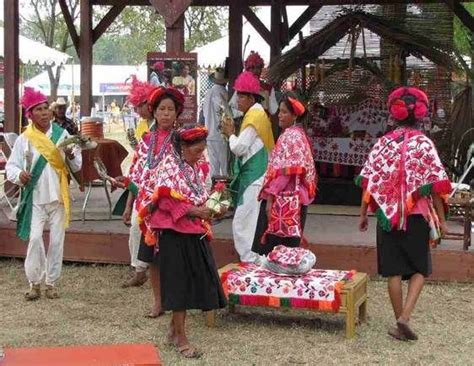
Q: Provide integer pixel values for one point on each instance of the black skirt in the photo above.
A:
(404, 253)
(273, 240)
(188, 273)
(146, 253)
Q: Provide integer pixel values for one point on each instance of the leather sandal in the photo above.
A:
(395, 333)
(34, 293)
(188, 351)
(51, 292)
(137, 280)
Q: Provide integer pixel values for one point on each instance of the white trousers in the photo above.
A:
(217, 152)
(134, 243)
(245, 223)
(38, 265)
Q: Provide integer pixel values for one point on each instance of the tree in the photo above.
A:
(44, 22)
(203, 25)
(463, 37)
(136, 31)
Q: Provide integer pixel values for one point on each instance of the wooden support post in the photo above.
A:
(235, 41)
(70, 24)
(86, 57)
(304, 18)
(275, 29)
(106, 21)
(175, 36)
(258, 25)
(11, 66)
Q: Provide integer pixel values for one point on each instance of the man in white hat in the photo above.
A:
(216, 146)
(61, 119)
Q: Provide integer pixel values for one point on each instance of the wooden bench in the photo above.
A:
(353, 301)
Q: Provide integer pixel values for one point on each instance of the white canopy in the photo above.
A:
(214, 53)
(106, 80)
(32, 52)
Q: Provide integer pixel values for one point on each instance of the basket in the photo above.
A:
(92, 127)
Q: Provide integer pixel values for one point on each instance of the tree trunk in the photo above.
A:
(53, 81)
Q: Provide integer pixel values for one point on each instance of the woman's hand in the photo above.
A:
(227, 127)
(127, 216)
(444, 228)
(201, 212)
(25, 177)
(119, 182)
(363, 223)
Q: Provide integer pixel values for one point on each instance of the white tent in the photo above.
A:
(214, 53)
(32, 52)
(106, 79)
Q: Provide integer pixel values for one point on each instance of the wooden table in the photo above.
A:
(460, 209)
(353, 301)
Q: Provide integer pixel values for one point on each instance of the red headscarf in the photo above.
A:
(160, 93)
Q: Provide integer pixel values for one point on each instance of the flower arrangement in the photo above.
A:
(220, 198)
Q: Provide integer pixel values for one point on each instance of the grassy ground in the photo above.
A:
(94, 310)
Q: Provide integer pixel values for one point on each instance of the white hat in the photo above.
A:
(60, 102)
(218, 77)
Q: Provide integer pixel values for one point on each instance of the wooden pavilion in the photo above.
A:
(277, 37)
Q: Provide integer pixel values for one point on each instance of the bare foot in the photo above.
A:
(155, 312)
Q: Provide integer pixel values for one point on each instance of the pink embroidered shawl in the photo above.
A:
(292, 155)
(402, 167)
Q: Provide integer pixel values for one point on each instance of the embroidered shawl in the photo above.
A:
(180, 181)
(402, 167)
(292, 155)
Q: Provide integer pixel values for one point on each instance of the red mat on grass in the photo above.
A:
(104, 355)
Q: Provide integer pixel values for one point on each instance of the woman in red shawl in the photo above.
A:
(180, 219)
(166, 104)
(405, 184)
(290, 182)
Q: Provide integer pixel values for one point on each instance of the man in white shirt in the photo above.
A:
(216, 146)
(251, 148)
(39, 167)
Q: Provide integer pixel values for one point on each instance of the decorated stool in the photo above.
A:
(326, 291)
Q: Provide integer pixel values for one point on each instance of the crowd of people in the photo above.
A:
(170, 179)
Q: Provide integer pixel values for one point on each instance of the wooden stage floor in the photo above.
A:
(334, 238)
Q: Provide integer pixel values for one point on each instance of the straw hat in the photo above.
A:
(60, 102)
(218, 77)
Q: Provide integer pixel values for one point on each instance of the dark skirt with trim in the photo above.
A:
(404, 253)
(273, 240)
(188, 273)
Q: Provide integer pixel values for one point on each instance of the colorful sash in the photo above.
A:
(402, 167)
(49, 153)
(247, 173)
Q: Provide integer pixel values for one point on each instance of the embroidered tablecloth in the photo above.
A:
(253, 286)
(342, 150)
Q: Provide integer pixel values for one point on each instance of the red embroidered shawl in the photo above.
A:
(292, 155)
(179, 181)
(402, 167)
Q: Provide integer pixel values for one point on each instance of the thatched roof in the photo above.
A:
(318, 43)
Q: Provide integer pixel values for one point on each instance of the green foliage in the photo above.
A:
(204, 25)
(136, 31)
(463, 37)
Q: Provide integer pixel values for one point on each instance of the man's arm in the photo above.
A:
(14, 165)
(240, 145)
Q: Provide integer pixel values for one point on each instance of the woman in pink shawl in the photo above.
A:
(290, 182)
(406, 186)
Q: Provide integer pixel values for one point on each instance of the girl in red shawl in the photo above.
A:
(405, 184)
(290, 171)
(181, 222)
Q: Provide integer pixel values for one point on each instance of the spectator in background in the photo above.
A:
(60, 117)
(216, 146)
